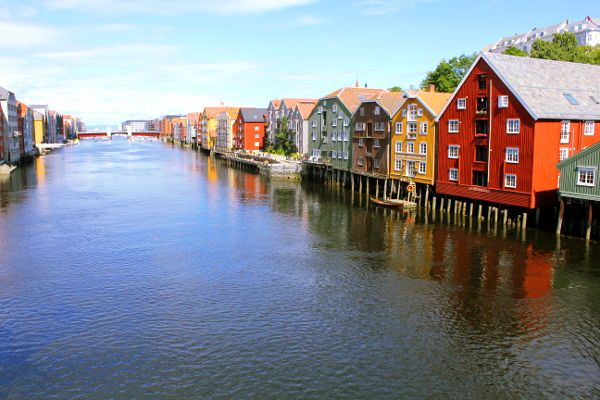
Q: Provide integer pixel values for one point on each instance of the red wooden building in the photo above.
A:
(508, 124)
(249, 129)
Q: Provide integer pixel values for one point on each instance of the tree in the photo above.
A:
(564, 47)
(395, 89)
(514, 51)
(448, 74)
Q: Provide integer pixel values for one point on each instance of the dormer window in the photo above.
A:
(571, 99)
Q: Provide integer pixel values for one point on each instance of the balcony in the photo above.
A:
(482, 106)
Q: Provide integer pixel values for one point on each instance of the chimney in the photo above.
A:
(431, 88)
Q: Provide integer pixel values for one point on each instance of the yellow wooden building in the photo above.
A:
(413, 138)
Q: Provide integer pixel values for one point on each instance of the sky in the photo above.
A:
(107, 61)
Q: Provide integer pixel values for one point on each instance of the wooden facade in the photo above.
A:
(492, 149)
(249, 129)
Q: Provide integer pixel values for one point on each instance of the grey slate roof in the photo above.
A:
(253, 114)
(541, 85)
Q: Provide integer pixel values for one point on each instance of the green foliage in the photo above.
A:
(448, 74)
(563, 47)
(283, 145)
(514, 51)
(395, 89)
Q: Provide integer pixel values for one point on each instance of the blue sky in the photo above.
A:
(111, 60)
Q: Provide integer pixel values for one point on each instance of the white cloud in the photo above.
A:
(20, 35)
(174, 7)
(381, 7)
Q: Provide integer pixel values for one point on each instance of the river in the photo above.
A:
(142, 270)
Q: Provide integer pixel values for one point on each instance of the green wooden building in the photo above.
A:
(578, 186)
(330, 130)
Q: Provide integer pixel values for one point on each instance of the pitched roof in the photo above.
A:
(291, 103)
(434, 101)
(305, 108)
(541, 85)
(276, 103)
(352, 97)
(253, 114)
(213, 112)
(193, 117)
(578, 156)
(233, 112)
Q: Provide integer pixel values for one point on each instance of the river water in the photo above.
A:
(140, 270)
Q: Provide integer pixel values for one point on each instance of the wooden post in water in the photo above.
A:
(471, 210)
(479, 211)
(376, 188)
(433, 203)
(561, 213)
(588, 228)
(504, 216)
(427, 197)
(360, 184)
(524, 221)
(496, 215)
(441, 205)
(489, 212)
(368, 192)
(385, 190)
(352, 182)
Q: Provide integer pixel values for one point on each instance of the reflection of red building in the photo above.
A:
(249, 129)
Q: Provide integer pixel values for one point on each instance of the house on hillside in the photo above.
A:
(508, 124)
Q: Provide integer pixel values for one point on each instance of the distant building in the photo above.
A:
(8, 103)
(298, 125)
(138, 125)
(26, 129)
(225, 122)
(587, 33)
(207, 136)
(192, 128)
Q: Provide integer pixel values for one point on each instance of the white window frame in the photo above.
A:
(426, 126)
(314, 123)
(334, 154)
(376, 143)
(502, 101)
(314, 135)
(377, 110)
(346, 122)
(334, 108)
(397, 165)
(586, 170)
(410, 147)
(345, 153)
(359, 161)
(422, 168)
(423, 148)
(398, 147)
(565, 131)
(512, 155)
(379, 126)
(333, 122)
(510, 185)
(513, 126)
(398, 128)
(461, 103)
(453, 126)
(411, 128)
(563, 153)
(453, 174)
(589, 128)
(361, 142)
(451, 151)
(360, 126)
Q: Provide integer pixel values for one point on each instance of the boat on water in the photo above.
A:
(404, 204)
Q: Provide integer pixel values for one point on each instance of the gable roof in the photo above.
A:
(389, 101)
(352, 97)
(578, 156)
(433, 101)
(291, 103)
(213, 112)
(193, 117)
(276, 103)
(253, 114)
(540, 85)
(305, 108)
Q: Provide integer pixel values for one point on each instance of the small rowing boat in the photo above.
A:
(394, 203)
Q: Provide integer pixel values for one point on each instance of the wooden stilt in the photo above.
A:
(385, 190)
(489, 212)
(368, 191)
(471, 210)
(588, 229)
(524, 221)
(504, 216)
(376, 188)
(427, 196)
(561, 212)
(433, 203)
(442, 205)
(352, 182)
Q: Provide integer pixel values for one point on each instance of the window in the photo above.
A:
(359, 161)
(453, 126)
(334, 136)
(461, 104)
(256, 128)
(345, 155)
(502, 101)
(361, 142)
(482, 128)
(412, 112)
(316, 153)
(482, 105)
(257, 136)
(565, 130)
(410, 147)
(345, 136)
(423, 148)
(453, 174)
(314, 135)
(334, 108)
(320, 109)
(376, 143)
(362, 112)
(481, 80)
(334, 154)
(377, 110)
(398, 165)
(404, 112)
(422, 168)
(398, 147)
(412, 128)
(571, 99)
(513, 126)
(379, 126)
(479, 178)
(398, 128)
(359, 126)
(510, 181)
(376, 163)
(481, 153)
(420, 112)
(346, 122)
(410, 168)
(586, 176)
(589, 128)
(512, 155)
(564, 153)
(424, 128)
(453, 151)
(333, 122)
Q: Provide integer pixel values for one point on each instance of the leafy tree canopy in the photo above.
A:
(514, 51)
(395, 89)
(563, 47)
(448, 74)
